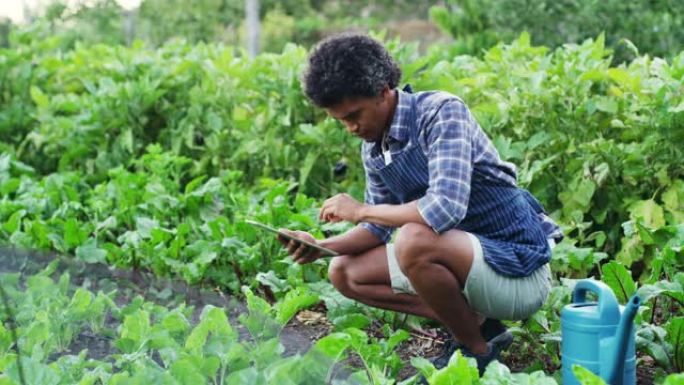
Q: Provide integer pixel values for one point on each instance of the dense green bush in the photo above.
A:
(591, 140)
(94, 108)
(655, 27)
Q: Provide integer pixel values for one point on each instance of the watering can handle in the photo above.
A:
(607, 303)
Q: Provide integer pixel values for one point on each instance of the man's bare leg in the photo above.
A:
(365, 278)
(438, 266)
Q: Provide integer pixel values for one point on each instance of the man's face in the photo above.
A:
(364, 117)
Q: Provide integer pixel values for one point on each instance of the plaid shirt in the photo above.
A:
(455, 146)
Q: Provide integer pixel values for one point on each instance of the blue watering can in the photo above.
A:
(599, 335)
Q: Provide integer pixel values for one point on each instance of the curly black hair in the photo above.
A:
(348, 66)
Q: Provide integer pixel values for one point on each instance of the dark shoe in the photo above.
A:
(490, 330)
(450, 346)
(439, 362)
(494, 348)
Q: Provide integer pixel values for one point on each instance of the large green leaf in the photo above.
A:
(649, 212)
(293, 302)
(586, 377)
(89, 252)
(618, 278)
(675, 336)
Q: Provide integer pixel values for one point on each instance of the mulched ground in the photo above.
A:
(297, 337)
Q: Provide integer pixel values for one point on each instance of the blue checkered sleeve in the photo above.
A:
(449, 147)
(376, 193)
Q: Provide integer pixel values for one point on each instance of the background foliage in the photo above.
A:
(655, 27)
(148, 154)
(631, 28)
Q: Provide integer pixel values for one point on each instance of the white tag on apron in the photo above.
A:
(388, 157)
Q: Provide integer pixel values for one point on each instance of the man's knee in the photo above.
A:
(412, 246)
(338, 272)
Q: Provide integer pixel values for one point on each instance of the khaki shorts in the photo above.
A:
(488, 292)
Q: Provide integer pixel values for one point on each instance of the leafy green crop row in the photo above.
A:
(150, 343)
(96, 108)
(146, 219)
(153, 343)
(592, 141)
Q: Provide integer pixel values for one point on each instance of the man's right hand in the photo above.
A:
(300, 252)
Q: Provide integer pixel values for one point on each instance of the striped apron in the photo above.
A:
(503, 217)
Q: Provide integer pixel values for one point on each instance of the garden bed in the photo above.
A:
(297, 336)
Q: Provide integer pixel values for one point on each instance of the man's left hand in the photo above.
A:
(341, 207)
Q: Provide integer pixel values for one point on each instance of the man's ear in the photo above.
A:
(385, 93)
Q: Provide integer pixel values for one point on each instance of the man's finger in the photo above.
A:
(292, 246)
(307, 251)
(323, 209)
(304, 250)
(301, 250)
(326, 206)
(305, 259)
(300, 257)
(329, 214)
(282, 238)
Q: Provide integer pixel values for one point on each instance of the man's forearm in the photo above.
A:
(354, 241)
(392, 215)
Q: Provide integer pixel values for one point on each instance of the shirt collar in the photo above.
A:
(401, 121)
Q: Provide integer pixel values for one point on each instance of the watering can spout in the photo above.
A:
(617, 356)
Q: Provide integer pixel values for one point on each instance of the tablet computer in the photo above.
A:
(287, 236)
